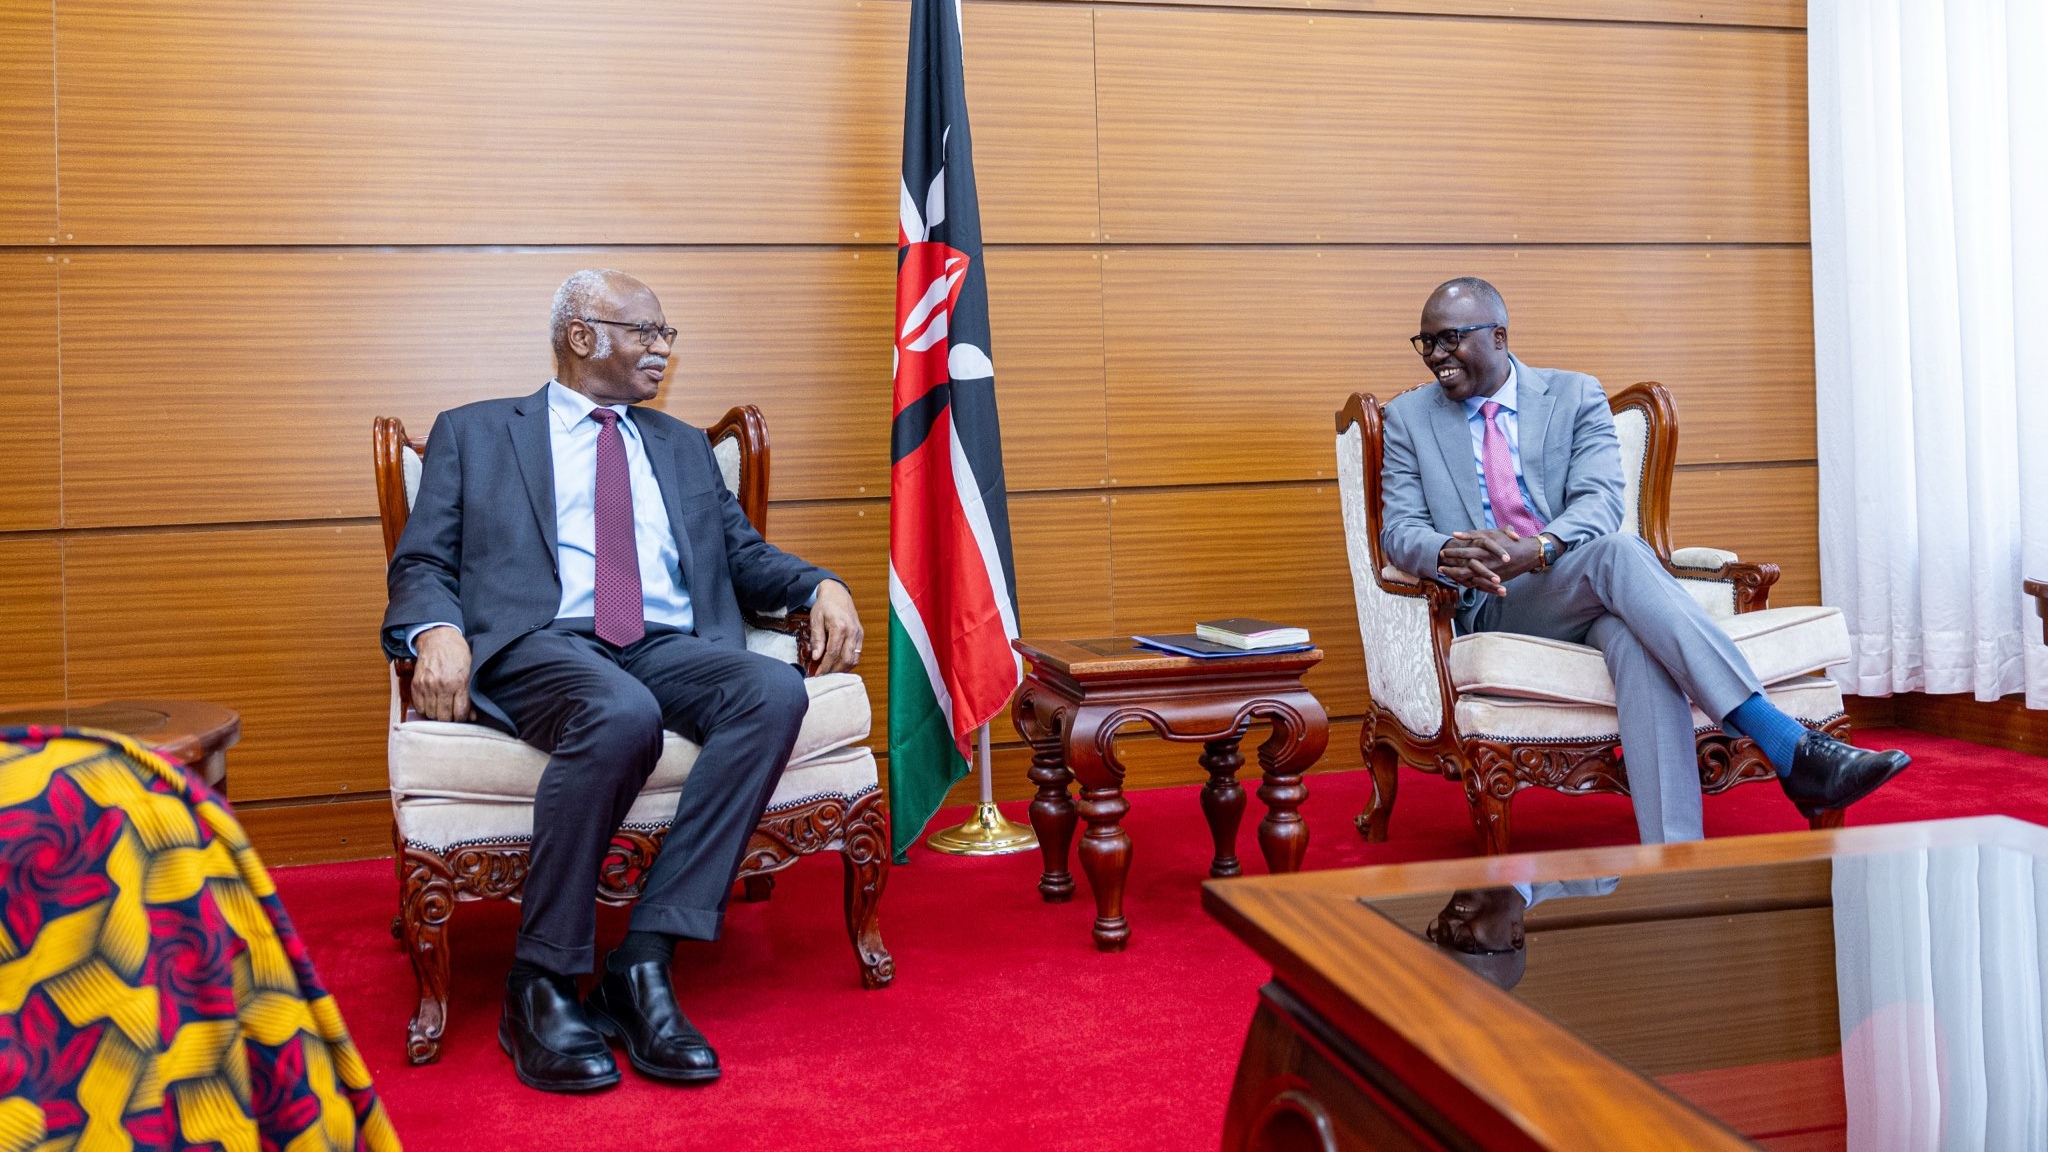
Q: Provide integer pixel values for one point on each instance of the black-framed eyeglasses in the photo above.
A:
(1448, 339)
(646, 330)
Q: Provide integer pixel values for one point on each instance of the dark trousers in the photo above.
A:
(599, 712)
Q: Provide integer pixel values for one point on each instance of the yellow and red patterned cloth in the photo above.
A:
(152, 992)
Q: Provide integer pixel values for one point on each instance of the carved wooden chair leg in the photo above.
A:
(757, 889)
(1386, 782)
(1488, 794)
(426, 899)
(1833, 819)
(866, 857)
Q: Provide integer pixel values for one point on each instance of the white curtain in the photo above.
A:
(1929, 153)
(1939, 981)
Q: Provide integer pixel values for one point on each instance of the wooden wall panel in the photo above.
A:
(1754, 13)
(1253, 127)
(376, 121)
(1765, 515)
(278, 624)
(311, 345)
(32, 603)
(28, 120)
(29, 496)
(1179, 557)
(1246, 354)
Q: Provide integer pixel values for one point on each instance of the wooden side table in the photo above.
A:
(192, 732)
(1079, 692)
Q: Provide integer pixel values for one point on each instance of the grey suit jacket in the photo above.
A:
(1571, 462)
(479, 549)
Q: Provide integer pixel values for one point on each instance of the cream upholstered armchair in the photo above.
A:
(462, 794)
(1501, 712)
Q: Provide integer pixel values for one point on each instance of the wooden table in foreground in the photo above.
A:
(192, 732)
(1687, 996)
(1079, 692)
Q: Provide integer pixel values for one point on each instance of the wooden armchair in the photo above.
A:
(462, 794)
(1500, 712)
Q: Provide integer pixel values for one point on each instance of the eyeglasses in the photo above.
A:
(1448, 339)
(646, 330)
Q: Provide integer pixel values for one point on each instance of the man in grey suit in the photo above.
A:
(1505, 480)
(573, 573)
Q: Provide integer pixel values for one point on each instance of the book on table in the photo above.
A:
(1189, 644)
(1250, 633)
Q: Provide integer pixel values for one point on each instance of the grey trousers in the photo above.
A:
(599, 712)
(1662, 651)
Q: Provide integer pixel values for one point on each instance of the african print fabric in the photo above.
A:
(152, 992)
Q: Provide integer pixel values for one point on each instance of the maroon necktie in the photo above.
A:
(617, 605)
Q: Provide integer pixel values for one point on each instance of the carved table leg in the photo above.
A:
(866, 856)
(1052, 808)
(1301, 731)
(426, 898)
(1223, 803)
(1105, 846)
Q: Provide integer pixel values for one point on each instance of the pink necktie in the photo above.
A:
(1501, 490)
(617, 602)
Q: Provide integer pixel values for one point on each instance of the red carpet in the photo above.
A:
(1005, 1029)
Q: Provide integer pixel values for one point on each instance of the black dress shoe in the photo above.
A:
(638, 1006)
(548, 1034)
(1828, 774)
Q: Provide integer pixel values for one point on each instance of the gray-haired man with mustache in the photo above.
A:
(573, 573)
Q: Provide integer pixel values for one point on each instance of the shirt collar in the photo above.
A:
(569, 406)
(1505, 397)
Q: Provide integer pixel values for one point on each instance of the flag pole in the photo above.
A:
(987, 832)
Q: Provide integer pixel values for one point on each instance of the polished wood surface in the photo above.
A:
(278, 624)
(32, 596)
(192, 732)
(339, 828)
(1465, 1054)
(1075, 697)
(1187, 328)
(1204, 137)
(1767, 13)
(29, 484)
(292, 218)
(321, 122)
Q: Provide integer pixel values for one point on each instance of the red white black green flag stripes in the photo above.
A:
(952, 581)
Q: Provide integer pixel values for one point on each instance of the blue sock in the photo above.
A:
(1776, 734)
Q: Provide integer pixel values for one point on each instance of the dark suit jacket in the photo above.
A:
(479, 550)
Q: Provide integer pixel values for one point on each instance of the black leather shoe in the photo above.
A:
(638, 1007)
(548, 1034)
(1828, 774)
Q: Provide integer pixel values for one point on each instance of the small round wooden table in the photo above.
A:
(1079, 692)
(192, 732)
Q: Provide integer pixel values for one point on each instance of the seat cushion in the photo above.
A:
(474, 762)
(1815, 699)
(1780, 644)
(441, 823)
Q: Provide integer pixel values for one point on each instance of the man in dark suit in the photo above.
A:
(1505, 481)
(574, 573)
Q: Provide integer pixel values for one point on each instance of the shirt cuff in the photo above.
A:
(413, 633)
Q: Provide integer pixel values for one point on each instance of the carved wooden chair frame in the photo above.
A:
(1492, 771)
(430, 883)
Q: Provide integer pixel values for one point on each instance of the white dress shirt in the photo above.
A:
(1509, 423)
(573, 438)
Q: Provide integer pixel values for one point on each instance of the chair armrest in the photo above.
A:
(1751, 583)
(401, 672)
(797, 623)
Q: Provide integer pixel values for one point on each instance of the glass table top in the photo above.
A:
(1885, 1000)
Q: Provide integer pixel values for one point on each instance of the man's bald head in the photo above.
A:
(1484, 298)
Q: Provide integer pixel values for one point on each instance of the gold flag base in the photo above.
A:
(986, 833)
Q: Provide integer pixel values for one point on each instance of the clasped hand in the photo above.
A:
(1488, 558)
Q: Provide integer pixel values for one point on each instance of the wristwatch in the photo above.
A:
(1552, 549)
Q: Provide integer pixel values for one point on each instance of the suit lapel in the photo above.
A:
(533, 447)
(1532, 425)
(1454, 440)
(661, 456)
